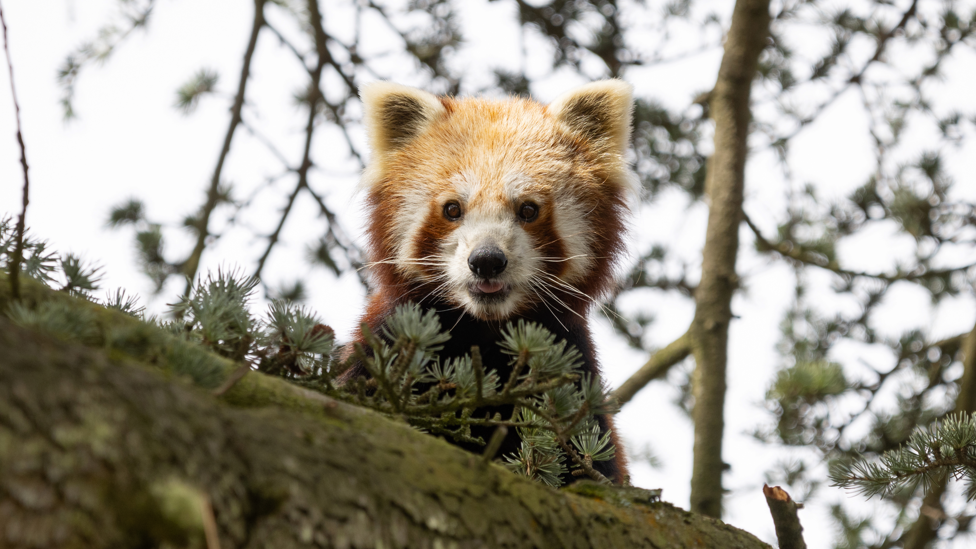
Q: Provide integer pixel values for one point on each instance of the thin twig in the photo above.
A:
(210, 524)
(796, 253)
(287, 43)
(495, 443)
(315, 97)
(856, 79)
(192, 263)
(232, 380)
(353, 253)
(273, 237)
(21, 221)
(267, 143)
(586, 467)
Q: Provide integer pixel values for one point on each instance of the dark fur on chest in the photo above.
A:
(467, 331)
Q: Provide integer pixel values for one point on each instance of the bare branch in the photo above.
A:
(656, 367)
(22, 219)
(315, 98)
(799, 255)
(192, 263)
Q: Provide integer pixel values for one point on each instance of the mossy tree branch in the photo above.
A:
(107, 451)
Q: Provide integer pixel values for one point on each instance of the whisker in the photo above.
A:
(546, 305)
(564, 259)
(569, 287)
(556, 298)
(557, 239)
(437, 289)
(459, 318)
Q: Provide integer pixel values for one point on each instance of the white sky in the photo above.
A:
(129, 141)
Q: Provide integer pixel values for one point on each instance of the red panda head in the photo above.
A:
(498, 207)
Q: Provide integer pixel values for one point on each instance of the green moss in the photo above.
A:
(181, 504)
(618, 495)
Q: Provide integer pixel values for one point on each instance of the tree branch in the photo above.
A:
(729, 108)
(656, 367)
(315, 98)
(278, 464)
(22, 219)
(273, 237)
(855, 79)
(192, 263)
(789, 533)
(797, 254)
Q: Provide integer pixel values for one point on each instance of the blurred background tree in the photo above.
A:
(872, 229)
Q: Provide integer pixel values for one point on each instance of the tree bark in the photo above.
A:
(729, 106)
(99, 450)
(789, 532)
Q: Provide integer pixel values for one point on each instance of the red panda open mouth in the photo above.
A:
(488, 290)
(487, 287)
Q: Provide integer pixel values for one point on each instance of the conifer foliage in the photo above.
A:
(945, 450)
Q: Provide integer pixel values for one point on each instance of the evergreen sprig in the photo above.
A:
(38, 262)
(931, 454)
(216, 314)
(555, 404)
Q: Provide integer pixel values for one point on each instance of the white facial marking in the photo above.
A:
(466, 184)
(517, 185)
(575, 231)
(409, 220)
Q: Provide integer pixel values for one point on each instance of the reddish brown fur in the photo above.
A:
(490, 140)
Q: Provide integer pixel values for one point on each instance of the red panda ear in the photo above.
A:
(600, 111)
(395, 114)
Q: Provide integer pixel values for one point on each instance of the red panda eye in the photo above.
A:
(528, 212)
(452, 211)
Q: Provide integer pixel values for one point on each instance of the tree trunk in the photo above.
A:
(99, 450)
(729, 106)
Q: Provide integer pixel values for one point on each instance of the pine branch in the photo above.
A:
(930, 456)
(924, 529)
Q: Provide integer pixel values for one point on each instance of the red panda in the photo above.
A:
(492, 211)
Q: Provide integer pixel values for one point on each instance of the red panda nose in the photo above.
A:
(487, 261)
